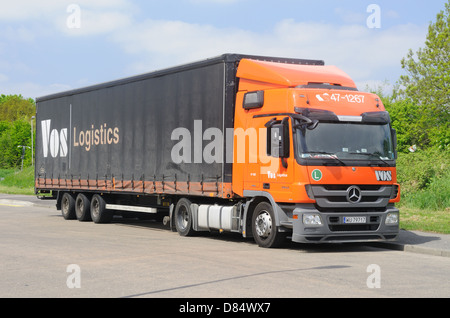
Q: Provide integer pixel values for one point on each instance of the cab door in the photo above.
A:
(276, 162)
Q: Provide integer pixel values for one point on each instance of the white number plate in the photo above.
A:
(354, 219)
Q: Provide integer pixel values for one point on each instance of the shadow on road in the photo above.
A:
(237, 238)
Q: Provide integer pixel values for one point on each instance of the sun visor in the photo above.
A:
(291, 75)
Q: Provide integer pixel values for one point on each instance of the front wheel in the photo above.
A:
(265, 231)
(183, 217)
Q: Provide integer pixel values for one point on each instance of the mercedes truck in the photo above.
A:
(271, 148)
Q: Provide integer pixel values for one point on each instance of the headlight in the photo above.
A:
(312, 219)
(392, 218)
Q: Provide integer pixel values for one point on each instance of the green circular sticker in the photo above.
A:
(316, 175)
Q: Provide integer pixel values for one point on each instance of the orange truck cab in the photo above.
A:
(326, 156)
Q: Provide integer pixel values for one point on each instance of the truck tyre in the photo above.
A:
(183, 217)
(83, 208)
(99, 214)
(265, 231)
(68, 207)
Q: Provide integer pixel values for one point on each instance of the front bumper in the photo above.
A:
(334, 230)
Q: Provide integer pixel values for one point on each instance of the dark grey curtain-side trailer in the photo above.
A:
(107, 149)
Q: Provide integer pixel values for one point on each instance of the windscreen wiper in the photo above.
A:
(372, 155)
(330, 154)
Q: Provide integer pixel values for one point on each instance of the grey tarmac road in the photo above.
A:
(43, 255)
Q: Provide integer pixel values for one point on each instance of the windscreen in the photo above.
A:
(346, 141)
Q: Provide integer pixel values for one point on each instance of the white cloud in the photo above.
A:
(24, 22)
(19, 34)
(349, 16)
(367, 55)
(159, 43)
(362, 52)
(94, 23)
(13, 66)
(32, 90)
(391, 14)
(200, 2)
(20, 10)
(96, 16)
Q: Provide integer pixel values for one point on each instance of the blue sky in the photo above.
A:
(47, 47)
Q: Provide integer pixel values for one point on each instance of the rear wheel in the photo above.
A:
(99, 214)
(68, 207)
(183, 217)
(264, 227)
(83, 208)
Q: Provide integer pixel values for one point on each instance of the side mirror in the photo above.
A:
(278, 139)
(394, 141)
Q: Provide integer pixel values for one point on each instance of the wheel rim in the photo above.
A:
(96, 207)
(263, 224)
(65, 205)
(80, 206)
(183, 218)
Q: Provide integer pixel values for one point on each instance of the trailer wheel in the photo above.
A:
(264, 228)
(183, 217)
(68, 207)
(83, 208)
(99, 214)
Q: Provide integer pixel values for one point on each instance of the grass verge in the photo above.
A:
(17, 182)
(425, 220)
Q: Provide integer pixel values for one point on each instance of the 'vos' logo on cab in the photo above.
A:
(55, 141)
(384, 175)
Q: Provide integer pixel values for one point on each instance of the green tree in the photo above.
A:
(15, 129)
(405, 119)
(12, 136)
(427, 83)
(15, 107)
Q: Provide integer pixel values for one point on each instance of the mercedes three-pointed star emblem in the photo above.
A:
(354, 194)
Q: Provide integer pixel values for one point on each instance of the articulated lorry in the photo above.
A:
(271, 148)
